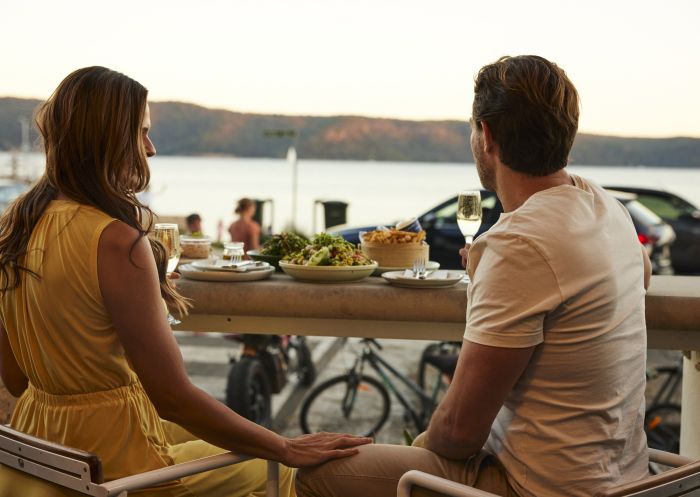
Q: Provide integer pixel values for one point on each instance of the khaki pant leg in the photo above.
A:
(485, 473)
(375, 472)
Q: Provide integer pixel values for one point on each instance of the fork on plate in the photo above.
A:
(419, 271)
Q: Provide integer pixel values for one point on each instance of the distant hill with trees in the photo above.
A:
(186, 129)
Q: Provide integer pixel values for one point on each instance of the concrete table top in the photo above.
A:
(374, 308)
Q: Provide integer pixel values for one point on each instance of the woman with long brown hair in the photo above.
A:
(84, 339)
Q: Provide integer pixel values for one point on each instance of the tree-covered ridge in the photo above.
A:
(187, 129)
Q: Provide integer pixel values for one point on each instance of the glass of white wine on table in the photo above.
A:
(469, 215)
(169, 236)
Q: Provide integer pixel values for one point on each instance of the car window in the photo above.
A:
(667, 208)
(448, 214)
(488, 209)
(641, 214)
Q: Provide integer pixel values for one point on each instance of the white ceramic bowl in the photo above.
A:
(327, 274)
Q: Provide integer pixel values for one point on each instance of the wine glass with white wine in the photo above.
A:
(469, 214)
(168, 235)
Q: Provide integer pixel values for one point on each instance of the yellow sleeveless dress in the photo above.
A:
(82, 392)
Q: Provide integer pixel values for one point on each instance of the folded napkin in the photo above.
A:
(228, 264)
(243, 266)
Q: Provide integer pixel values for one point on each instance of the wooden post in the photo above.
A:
(690, 414)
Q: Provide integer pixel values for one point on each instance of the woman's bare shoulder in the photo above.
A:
(118, 236)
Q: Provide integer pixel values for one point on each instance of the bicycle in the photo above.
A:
(262, 371)
(437, 366)
(662, 419)
(360, 404)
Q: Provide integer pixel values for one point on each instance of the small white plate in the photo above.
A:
(430, 266)
(327, 274)
(398, 278)
(192, 273)
(227, 266)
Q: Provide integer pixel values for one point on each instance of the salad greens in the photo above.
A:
(284, 244)
(329, 250)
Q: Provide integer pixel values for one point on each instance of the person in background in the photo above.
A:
(98, 369)
(194, 224)
(547, 399)
(246, 229)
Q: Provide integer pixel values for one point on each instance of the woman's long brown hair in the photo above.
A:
(95, 155)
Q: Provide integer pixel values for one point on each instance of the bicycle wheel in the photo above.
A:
(662, 424)
(348, 404)
(248, 391)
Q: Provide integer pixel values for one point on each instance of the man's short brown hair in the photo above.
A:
(531, 108)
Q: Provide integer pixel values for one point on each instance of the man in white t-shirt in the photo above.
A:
(548, 396)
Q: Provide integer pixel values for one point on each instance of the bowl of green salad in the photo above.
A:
(328, 258)
(277, 247)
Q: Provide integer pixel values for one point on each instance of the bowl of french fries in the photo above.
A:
(394, 248)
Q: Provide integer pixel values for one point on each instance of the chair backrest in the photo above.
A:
(683, 481)
(71, 468)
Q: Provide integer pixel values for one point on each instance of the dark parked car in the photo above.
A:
(683, 217)
(445, 239)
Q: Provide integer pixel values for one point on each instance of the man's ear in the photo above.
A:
(487, 143)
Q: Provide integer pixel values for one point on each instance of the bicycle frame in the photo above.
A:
(377, 363)
(674, 376)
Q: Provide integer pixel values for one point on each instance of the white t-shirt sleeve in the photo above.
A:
(513, 288)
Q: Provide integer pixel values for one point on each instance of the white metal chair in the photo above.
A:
(681, 481)
(81, 471)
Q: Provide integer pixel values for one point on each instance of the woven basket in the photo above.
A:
(399, 255)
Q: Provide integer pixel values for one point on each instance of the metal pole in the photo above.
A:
(690, 414)
(24, 124)
(315, 216)
(273, 479)
(292, 157)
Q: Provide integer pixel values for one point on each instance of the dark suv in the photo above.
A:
(445, 239)
(683, 217)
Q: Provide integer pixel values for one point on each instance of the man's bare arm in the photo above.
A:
(647, 268)
(483, 378)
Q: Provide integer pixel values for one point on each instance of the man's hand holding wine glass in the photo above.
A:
(464, 252)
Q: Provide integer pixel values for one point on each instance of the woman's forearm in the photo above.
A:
(210, 420)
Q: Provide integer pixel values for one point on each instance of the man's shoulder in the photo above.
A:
(548, 215)
(512, 229)
(506, 245)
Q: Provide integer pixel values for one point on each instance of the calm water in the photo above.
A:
(378, 192)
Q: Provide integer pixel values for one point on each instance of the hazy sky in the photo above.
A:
(636, 63)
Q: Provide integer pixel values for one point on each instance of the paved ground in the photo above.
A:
(207, 357)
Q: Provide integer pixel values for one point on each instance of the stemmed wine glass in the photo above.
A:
(168, 235)
(469, 214)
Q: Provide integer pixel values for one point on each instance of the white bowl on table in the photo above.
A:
(328, 274)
